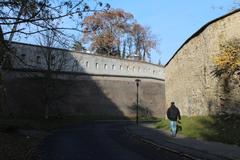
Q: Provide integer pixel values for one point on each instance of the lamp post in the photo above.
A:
(137, 83)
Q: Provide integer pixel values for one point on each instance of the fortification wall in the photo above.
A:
(189, 81)
(83, 95)
(85, 85)
(78, 62)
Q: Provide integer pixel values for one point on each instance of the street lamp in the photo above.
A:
(137, 83)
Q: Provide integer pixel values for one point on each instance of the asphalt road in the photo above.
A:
(100, 141)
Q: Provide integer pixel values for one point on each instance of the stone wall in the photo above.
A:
(188, 77)
(81, 84)
(83, 95)
(70, 61)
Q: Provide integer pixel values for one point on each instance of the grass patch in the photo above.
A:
(224, 128)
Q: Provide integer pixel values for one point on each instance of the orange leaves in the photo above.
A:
(107, 20)
(115, 32)
(106, 28)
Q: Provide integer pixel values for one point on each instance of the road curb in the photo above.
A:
(150, 142)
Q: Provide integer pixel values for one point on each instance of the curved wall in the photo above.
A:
(85, 95)
(189, 81)
(84, 63)
(86, 85)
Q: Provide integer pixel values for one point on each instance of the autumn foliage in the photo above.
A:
(227, 62)
(116, 33)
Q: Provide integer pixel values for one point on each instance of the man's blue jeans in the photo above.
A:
(173, 127)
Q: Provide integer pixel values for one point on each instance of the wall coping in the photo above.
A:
(84, 74)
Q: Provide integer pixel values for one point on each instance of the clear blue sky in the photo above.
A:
(173, 21)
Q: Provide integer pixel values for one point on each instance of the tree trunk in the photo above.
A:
(2, 53)
(2, 46)
(46, 111)
(144, 56)
(46, 98)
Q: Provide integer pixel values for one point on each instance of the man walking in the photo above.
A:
(173, 115)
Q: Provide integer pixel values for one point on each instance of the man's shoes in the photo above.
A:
(173, 135)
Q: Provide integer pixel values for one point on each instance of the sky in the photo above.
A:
(173, 21)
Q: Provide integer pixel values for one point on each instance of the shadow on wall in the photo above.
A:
(143, 112)
(222, 128)
(52, 82)
(224, 121)
(47, 89)
(227, 97)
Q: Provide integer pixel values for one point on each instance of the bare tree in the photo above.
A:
(31, 17)
(143, 40)
(78, 46)
(236, 5)
(129, 44)
(124, 49)
(54, 61)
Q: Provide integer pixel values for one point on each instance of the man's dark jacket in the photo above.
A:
(173, 113)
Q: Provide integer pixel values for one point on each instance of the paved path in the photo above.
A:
(100, 141)
(196, 148)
